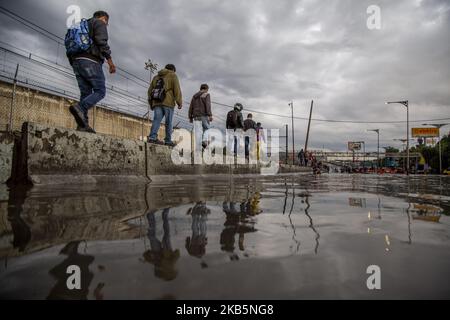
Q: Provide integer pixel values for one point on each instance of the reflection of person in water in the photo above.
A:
(196, 245)
(21, 231)
(238, 222)
(161, 254)
(60, 290)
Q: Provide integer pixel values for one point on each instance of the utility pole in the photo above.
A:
(13, 101)
(309, 125)
(287, 143)
(378, 147)
(406, 104)
(152, 67)
(364, 156)
(293, 139)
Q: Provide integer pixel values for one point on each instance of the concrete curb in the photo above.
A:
(50, 155)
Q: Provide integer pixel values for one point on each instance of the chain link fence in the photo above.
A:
(36, 90)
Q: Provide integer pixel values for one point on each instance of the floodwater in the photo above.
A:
(285, 237)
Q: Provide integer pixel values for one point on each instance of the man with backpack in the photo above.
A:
(163, 94)
(235, 123)
(200, 111)
(249, 124)
(87, 48)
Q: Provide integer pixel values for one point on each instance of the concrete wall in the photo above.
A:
(52, 155)
(57, 155)
(6, 155)
(51, 110)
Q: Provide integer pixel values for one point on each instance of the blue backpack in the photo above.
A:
(77, 38)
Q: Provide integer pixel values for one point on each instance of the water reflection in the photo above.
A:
(237, 222)
(196, 243)
(192, 230)
(426, 212)
(311, 224)
(161, 254)
(60, 290)
(21, 231)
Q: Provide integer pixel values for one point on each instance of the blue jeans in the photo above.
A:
(158, 114)
(205, 126)
(91, 82)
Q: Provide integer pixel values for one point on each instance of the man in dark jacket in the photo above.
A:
(87, 67)
(249, 124)
(200, 110)
(234, 122)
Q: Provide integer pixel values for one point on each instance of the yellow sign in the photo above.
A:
(425, 132)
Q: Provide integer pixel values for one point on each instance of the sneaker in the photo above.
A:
(155, 141)
(78, 115)
(86, 129)
(170, 144)
(89, 129)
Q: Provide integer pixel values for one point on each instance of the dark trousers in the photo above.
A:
(91, 81)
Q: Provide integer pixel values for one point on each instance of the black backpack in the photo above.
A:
(232, 119)
(158, 93)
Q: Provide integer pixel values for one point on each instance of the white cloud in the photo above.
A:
(267, 53)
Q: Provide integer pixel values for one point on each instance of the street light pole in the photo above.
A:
(364, 156)
(406, 104)
(378, 147)
(439, 126)
(293, 139)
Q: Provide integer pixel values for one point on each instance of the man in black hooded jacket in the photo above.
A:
(87, 67)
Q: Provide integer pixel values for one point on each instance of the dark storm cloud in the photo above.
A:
(267, 53)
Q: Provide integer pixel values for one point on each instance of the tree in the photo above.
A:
(431, 153)
(391, 149)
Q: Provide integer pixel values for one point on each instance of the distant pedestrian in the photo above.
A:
(306, 157)
(163, 94)
(301, 157)
(86, 48)
(259, 137)
(249, 127)
(200, 111)
(235, 122)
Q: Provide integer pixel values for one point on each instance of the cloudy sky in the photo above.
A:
(265, 54)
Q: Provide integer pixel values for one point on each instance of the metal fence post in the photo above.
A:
(13, 101)
(142, 129)
(94, 115)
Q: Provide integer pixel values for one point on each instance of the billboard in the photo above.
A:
(425, 132)
(354, 146)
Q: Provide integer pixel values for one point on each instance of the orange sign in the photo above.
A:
(425, 132)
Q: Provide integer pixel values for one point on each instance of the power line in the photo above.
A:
(59, 40)
(51, 36)
(326, 120)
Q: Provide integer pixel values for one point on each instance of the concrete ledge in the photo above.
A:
(46, 156)
(59, 155)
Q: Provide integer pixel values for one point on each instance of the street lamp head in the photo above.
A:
(404, 102)
(436, 125)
